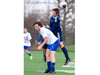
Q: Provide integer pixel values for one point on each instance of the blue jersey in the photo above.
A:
(55, 24)
(59, 16)
(40, 39)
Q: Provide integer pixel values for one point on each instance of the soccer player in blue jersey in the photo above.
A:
(27, 44)
(53, 43)
(44, 47)
(56, 29)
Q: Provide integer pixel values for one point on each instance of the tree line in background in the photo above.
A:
(67, 23)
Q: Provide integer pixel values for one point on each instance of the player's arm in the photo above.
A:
(28, 40)
(39, 39)
(52, 28)
(44, 35)
(44, 42)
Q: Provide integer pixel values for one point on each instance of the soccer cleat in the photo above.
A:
(47, 71)
(67, 61)
(31, 57)
(52, 72)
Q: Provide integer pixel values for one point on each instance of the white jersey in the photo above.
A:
(27, 36)
(47, 33)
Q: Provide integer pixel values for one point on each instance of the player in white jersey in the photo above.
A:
(27, 44)
(52, 41)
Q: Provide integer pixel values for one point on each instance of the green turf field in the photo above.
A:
(70, 48)
(37, 65)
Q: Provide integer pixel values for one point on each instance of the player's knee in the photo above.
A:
(44, 51)
(26, 51)
(61, 45)
(47, 54)
(52, 54)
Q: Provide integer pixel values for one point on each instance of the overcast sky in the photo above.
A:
(39, 6)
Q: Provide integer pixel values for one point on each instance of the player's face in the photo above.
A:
(54, 14)
(37, 27)
(25, 30)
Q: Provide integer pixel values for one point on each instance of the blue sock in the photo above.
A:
(49, 65)
(29, 54)
(45, 58)
(65, 52)
(52, 66)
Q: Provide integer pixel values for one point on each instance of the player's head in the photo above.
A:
(37, 25)
(25, 30)
(55, 12)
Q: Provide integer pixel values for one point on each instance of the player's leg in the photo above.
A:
(24, 49)
(43, 56)
(65, 53)
(64, 50)
(44, 51)
(52, 56)
(53, 49)
(59, 35)
(27, 48)
(23, 52)
(48, 61)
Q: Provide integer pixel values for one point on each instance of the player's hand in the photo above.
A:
(39, 48)
(38, 43)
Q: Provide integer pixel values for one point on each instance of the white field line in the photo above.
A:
(68, 66)
(72, 63)
(73, 60)
(31, 67)
(67, 71)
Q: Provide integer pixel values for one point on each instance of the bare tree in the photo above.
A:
(31, 18)
(67, 15)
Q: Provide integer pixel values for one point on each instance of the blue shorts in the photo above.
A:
(26, 47)
(59, 36)
(53, 47)
(45, 46)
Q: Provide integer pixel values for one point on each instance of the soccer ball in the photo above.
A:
(63, 5)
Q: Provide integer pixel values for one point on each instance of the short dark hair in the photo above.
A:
(25, 28)
(39, 24)
(56, 10)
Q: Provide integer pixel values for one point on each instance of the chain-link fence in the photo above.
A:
(70, 40)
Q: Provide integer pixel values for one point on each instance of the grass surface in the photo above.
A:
(37, 64)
